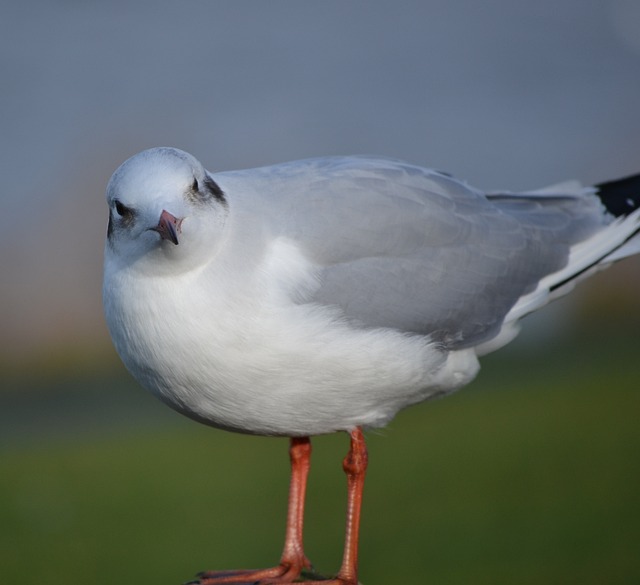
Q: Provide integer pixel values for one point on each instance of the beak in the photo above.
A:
(169, 227)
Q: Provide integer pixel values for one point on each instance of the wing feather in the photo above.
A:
(401, 246)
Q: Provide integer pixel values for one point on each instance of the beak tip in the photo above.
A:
(169, 227)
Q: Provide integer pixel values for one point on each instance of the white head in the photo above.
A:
(163, 205)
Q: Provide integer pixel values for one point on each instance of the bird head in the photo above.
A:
(164, 208)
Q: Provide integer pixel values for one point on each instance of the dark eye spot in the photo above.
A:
(126, 213)
(204, 190)
(214, 190)
(121, 209)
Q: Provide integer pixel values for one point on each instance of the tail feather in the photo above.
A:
(620, 197)
(619, 239)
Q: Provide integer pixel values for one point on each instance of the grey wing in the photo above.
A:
(404, 247)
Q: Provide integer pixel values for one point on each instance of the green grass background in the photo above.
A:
(531, 475)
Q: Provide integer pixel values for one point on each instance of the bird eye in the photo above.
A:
(121, 209)
(127, 214)
(194, 186)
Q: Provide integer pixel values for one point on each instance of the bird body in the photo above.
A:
(321, 295)
(327, 294)
(232, 342)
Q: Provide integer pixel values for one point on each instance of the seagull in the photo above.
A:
(327, 294)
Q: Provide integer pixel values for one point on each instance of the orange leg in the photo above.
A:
(293, 560)
(355, 466)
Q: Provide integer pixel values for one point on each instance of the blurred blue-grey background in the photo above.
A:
(507, 95)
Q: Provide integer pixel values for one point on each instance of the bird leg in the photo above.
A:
(355, 466)
(293, 561)
(293, 557)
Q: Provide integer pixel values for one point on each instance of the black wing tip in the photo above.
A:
(622, 196)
